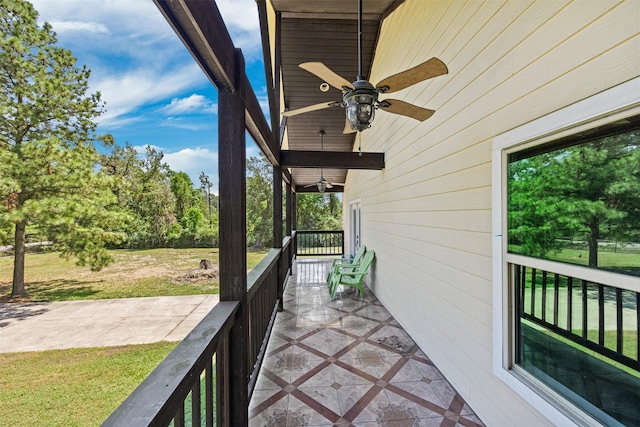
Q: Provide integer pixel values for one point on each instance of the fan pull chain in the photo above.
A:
(360, 144)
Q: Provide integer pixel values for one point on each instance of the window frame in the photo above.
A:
(605, 107)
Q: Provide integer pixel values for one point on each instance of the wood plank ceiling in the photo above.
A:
(324, 31)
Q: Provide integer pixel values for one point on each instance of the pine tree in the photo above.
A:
(49, 172)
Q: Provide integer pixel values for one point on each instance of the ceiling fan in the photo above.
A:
(322, 183)
(360, 98)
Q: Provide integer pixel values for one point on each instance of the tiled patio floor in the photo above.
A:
(347, 362)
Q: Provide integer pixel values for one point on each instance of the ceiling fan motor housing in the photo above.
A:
(360, 104)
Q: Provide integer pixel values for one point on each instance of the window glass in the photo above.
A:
(578, 201)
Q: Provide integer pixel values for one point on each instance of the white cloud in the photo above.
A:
(241, 19)
(61, 27)
(120, 17)
(125, 93)
(142, 21)
(142, 149)
(194, 161)
(192, 104)
(180, 123)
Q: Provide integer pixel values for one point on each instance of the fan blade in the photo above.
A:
(340, 184)
(326, 74)
(396, 106)
(429, 69)
(328, 184)
(310, 185)
(310, 108)
(347, 128)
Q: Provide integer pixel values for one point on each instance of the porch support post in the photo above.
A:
(294, 219)
(277, 207)
(277, 233)
(289, 209)
(294, 211)
(232, 231)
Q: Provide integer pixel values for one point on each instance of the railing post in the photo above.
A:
(289, 210)
(294, 211)
(232, 231)
(277, 207)
(277, 232)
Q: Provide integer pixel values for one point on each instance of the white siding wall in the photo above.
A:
(428, 214)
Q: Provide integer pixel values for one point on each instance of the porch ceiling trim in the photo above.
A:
(331, 159)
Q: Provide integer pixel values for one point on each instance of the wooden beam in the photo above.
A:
(233, 238)
(266, 58)
(201, 28)
(283, 126)
(199, 25)
(314, 189)
(286, 176)
(258, 127)
(331, 159)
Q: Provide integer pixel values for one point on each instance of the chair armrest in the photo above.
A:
(340, 265)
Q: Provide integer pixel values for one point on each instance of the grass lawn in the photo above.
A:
(627, 262)
(78, 387)
(81, 387)
(135, 273)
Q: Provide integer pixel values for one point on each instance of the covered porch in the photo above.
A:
(347, 362)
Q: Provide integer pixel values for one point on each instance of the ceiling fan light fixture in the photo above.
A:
(360, 105)
(322, 185)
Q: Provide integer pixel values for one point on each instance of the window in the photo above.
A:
(579, 204)
(567, 271)
(577, 200)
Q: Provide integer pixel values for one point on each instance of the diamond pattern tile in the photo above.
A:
(347, 362)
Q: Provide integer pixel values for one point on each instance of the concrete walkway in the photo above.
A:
(99, 323)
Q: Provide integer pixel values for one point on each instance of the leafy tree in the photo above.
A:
(205, 188)
(209, 207)
(315, 211)
(590, 190)
(192, 220)
(319, 211)
(48, 160)
(143, 186)
(259, 202)
(183, 193)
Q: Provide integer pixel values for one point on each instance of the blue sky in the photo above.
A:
(154, 91)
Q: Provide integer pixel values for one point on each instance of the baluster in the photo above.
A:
(208, 394)
(196, 408)
(638, 326)
(601, 314)
(523, 280)
(569, 304)
(519, 303)
(544, 295)
(619, 325)
(556, 294)
(533, 292)
(584, 309)
(178, 419)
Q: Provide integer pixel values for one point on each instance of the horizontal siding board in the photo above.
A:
(463, 200)
(440, 257)
(458, 242)
(428, 214)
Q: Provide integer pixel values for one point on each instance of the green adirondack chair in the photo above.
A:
(352, 278)
(345, 263)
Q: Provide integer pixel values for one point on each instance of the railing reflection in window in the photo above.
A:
(580, 338)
